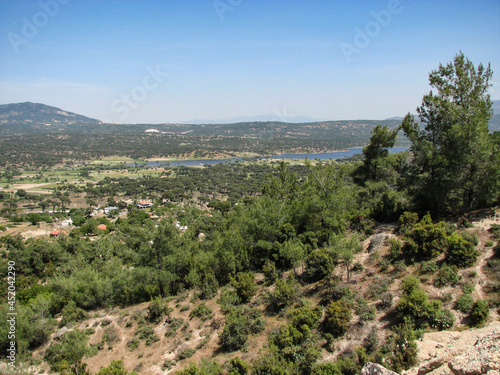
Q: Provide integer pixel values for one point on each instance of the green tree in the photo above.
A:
(456, 168)
(381, 140)
(319, 264)
(71, 350)
(245, 285)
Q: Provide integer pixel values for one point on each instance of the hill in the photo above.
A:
(35, 117)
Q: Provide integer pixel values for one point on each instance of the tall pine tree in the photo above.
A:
(456, 168)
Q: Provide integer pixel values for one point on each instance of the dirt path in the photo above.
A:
(483, 278)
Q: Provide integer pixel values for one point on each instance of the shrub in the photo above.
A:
(133, 344)
(114, 368)
(468, 288)
(400, 349)
(443, 319)
(429, 266)
(426, 240)
(202, 311)
(110, 335)
(72, 313)
(270, 271)
(319, 264)
(464, 303)
(228, 299)
(338, 316)
(371, 342)
(173, 326)
(304, 316)
(185, 353)
(479, 312)
(235, 334)
(460, 252)
(406, 221)
(236, 366)
(209, 285)
(386, 300)
(156, 310)
(285, 293)
(446, 275)
(147, 333)
(395, 249)
(342, 292)
(245, 285)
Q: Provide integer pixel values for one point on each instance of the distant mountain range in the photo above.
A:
(29, 118)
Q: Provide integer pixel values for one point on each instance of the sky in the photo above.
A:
(166, 61)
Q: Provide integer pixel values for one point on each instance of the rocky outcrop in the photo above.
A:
(377, 242)
(481, 359)
(471, 352)
(376, 369)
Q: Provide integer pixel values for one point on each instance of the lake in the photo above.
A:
(321, 156)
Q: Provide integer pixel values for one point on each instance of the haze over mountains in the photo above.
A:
(25, 118)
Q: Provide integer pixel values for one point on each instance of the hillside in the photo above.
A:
(30, 117)
(184, 335)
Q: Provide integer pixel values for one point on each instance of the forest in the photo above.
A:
(264, 241)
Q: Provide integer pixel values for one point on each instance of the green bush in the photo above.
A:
(337, 318)
(237, 366)
(270, 271)
(114, 368)
(395, 249)
(208, 285)
(228, 299)
(406, 221)
(400, 349)
(202, 311)
(133, 344)
(285, 293)
(426, 240)
(446, 275)
(156, 310)
(429, 266)
(245, 285)
(464, 303)
(173, 326)
(442, 319)
(71, 313)
(461, 252)
(319, 264)
(235, 333)
(304, 316)
(479, 312)
(147, 333)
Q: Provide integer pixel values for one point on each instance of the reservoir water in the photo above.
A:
(321, 156)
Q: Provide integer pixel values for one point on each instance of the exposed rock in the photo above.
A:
(471, 352)
(61, 332)
(376, 369)
(377, 242)
(482, 358)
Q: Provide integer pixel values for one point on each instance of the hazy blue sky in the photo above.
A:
(173, 61)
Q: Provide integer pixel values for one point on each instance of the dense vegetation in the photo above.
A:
(294, 227)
